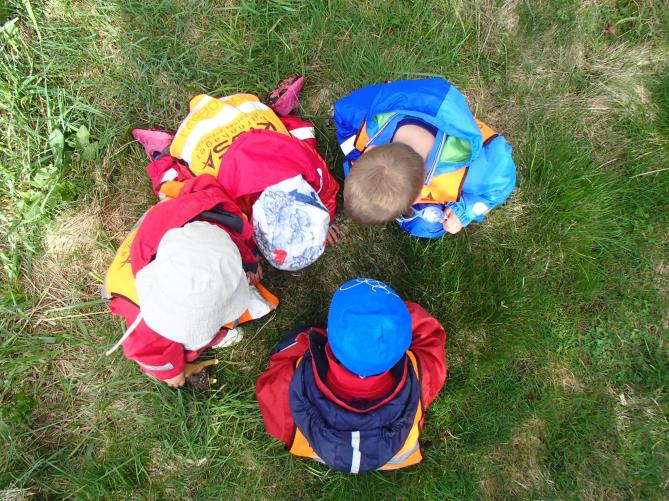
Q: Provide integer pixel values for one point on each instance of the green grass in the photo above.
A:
(556, 308)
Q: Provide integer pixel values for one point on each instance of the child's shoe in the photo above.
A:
(154, 141)
(286, 97)
(233, 336)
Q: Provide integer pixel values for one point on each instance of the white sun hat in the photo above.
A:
(290, 224)
(194, 286)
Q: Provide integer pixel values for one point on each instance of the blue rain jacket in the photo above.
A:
(491, 174)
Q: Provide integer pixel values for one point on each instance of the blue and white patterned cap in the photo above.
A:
(290, 224)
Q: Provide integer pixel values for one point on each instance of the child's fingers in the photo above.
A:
(177, 381)
(334, 236)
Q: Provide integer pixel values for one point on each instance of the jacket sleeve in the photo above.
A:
(349, 112)
(272, 388)
(428, 346)
(157, 356)
(167, 176)
(328, 193)
(490, 180)
(299, 129)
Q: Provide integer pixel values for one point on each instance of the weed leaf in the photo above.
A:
(90, 151)
(83, 137)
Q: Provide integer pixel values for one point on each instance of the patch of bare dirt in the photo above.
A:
(71, 251)
(564, 378)
(320, 101)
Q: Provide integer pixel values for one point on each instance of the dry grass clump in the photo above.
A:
(519, 469)
(71, 251)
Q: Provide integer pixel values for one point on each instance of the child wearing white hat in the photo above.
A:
(180, 281)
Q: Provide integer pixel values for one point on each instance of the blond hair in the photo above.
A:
(383, 183)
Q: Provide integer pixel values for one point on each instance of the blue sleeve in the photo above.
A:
(490, 180)
(349, 113)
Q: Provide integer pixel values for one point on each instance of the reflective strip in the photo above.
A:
(250, 106)
(303, 133)
(480, 208)
(177, 143)
(170, 174)
(223, 117)
(348, 146)
(403, 457)
(165, 367)
(202, 102)
(357, 456)
(289, 346)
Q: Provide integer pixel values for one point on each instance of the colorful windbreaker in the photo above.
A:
(354, 435)
(470, 168)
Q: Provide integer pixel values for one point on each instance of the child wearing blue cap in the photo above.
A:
(353, 396)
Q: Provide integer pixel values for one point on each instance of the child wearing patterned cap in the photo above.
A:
(354, 395)
(252, 148)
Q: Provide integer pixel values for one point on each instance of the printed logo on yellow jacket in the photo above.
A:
(213, 124)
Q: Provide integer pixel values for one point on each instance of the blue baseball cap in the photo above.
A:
(369, 326)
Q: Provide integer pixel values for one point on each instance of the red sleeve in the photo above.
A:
(246, 247)
(272, 390)
(299, 129)
(157, 356)
(427, 344)
(328, 193)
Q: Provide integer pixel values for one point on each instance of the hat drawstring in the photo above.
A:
(320, 175)
(126, 334)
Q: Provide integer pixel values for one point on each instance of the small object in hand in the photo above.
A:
(197, 374)
(201, 380)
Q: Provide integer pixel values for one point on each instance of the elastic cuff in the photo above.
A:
(462, 214)
(163, 375)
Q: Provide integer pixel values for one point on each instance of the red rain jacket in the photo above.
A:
(256, 160)
(156, 355)
(273, 385)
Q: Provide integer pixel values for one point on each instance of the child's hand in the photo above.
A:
(335, 234)
(176, 381)
(452, 223)
(255, 276)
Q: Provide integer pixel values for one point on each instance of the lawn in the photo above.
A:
(556, 307)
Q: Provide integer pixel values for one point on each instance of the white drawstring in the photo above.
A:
(320, 174)
(127, 333)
